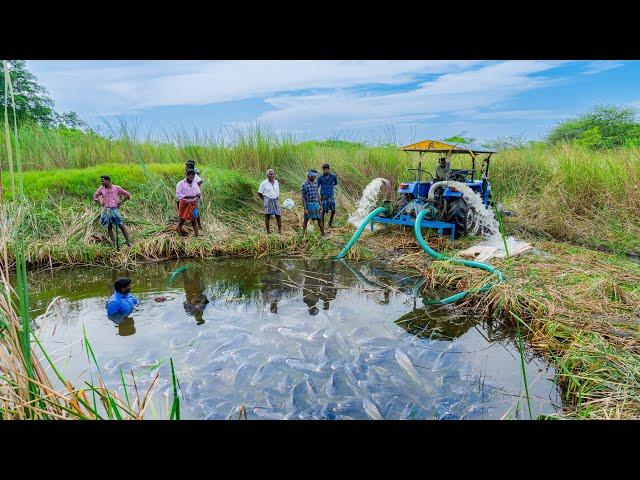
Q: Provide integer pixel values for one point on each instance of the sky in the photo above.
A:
(373, 101)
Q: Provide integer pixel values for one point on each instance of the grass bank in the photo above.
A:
(576, 305)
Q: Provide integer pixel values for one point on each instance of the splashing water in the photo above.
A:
(484, 220)
(367, 202)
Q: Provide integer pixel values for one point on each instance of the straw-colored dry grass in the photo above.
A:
(580, 309)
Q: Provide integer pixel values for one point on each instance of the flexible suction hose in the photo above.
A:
(361, 228)
(469, 263)
(438, 256)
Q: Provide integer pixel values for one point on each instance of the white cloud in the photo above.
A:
(601, 66)
(307, 96)
(448, 93)
(96, 87)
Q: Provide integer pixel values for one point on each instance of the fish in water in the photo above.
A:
(295, 400)
(331, 387)
(283, 385)
(267, 415)
(322, 356)
(302, 365)
(259, 374)
(404, 361)
(240, 374)
(371, 409)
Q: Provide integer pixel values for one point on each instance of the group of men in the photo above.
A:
(317, 198)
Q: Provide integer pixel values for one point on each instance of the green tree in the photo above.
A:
(32, 101)
(604, 126)
(460, 139)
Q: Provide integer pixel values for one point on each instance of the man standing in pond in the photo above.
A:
(269, 192)
(188, 196)
(108, 196)
(310, 202)
(121, 303)
(326, 182)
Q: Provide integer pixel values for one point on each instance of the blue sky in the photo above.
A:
(374, 101)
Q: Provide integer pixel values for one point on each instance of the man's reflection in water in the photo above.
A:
(125, 325)
(271, 288)
(328, 291)
(195, 300)
(311, 292)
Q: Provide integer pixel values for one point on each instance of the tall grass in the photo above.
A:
(563, 192)
(26, 392)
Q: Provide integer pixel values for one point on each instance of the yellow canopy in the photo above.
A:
(438, 146)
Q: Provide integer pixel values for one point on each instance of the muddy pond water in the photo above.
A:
(290, 339)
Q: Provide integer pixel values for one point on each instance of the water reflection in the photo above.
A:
(435, 323)
(195, 300)
(377, 349)
(126, 325)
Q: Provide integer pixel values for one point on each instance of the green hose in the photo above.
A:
(482, 266)
(356, 235)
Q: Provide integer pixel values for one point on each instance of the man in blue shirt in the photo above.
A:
(121, 303)
(311, 202)
(326, 181)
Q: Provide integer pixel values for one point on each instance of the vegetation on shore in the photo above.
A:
(575, 305)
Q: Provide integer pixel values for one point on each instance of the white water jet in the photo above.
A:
(366, 203)
(484, 219)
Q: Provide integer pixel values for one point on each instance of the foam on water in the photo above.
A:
(368, 200)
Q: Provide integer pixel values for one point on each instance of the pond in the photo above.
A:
(290, 339)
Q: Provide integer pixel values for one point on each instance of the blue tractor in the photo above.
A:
(447, 207)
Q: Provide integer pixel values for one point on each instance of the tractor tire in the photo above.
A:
(458, 213)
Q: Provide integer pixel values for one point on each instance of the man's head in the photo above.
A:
(311, 175)
(190, 165)
(105, 180)
(122, 285)
(325, 169)
(191, 174)
(443, 161)
(271, 174)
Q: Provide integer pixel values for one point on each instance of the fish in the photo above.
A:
(259, 374)
(379, 356)
(295, 400)
(331, 387)
(234, 342)
(439, 361)
(322, 356)
(283, 385)
(302, 365)
(404, 361)
(267, 414)
(371, 409)
(347, 405)
(240, 374)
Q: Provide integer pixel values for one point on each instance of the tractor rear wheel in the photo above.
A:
(458, 213)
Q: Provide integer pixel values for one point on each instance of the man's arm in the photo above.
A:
(113, 308)
(97, 197)
(304, 204)
(261, 191)
(125, 194)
